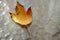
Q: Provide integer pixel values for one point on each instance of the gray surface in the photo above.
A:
(45, 25)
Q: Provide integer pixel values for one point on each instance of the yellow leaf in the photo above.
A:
(21, 16)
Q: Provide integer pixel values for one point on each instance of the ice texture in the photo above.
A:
(45, 24)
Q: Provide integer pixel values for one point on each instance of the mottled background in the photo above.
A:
(45, 24)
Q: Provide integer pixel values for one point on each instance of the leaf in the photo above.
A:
(21, 16)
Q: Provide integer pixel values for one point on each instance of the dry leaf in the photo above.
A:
(21, 16)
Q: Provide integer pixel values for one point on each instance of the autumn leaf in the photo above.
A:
(21, 16)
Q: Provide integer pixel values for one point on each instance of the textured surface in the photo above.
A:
(45, 25)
